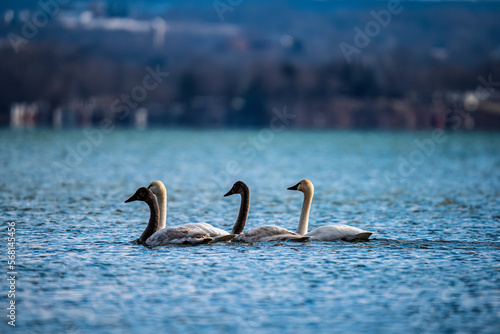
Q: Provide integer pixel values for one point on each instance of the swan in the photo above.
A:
(153, 236)
(159, 189)
(259, 233)
(327, 232)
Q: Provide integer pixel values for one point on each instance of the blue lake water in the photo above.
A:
(432, 265)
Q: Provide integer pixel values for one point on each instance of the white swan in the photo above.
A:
(159, 189)
(259, 233)
(327, 232)
(153, 236)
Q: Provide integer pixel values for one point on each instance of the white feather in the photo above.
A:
(338, 232)
(269, 233)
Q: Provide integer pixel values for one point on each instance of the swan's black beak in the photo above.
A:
(131, 199)
(229, 193)
(295, 187)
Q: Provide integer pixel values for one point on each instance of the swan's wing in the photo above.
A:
(269, 233)
(211, 230)
(338, 232)
(178, 235)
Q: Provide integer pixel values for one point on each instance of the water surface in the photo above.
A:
(433, 264)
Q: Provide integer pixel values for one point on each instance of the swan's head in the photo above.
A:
(305, 186)
(140, 195)
(238, 188)
(157, 187)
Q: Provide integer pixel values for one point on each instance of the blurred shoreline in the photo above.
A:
(422, 66)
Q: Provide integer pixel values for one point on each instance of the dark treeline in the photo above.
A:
(423, 64)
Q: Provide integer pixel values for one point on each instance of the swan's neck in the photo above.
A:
(304, 214)
(154, 219)
(239, 226)
(162, 203)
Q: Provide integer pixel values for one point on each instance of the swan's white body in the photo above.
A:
(159, 189)
(328, 232)
(338, 232)
(269, 233)
(178, 235)
(207, 228)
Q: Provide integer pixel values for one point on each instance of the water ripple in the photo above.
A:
(431, 266)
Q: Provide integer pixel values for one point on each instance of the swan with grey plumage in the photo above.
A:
(159, 189)
(154, 236)
(328, 232)
(259, 233)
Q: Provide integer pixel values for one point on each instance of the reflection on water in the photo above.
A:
(432, 265)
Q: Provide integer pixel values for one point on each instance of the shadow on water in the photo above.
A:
(372, 243)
